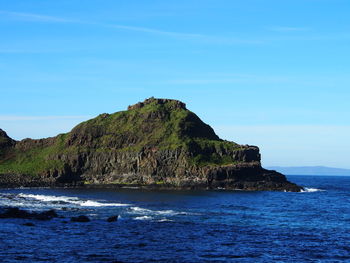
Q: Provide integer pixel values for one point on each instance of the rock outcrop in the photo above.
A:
(157, 142)
(80, 219)
(5, 142)
(15, 212)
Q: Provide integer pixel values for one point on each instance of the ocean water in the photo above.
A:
(182, 226)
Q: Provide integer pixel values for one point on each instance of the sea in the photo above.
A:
(182, 226)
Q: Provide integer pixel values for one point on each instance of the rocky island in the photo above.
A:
(156, 143)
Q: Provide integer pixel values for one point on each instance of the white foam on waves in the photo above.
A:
(49, 198)
(144, 211)
(98, 204)
(165, 220)
(5, 201)
(311, 190)
(143, 218)
(70, 200)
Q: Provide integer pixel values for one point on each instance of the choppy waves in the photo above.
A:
(181, 226)
(73, 203)
(157, 215)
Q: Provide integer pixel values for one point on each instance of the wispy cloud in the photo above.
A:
(53, 19)
(194, 36)
(154, 31)
(38, 118)
(228, 79)
(287, 29)
(36, 17)
(183, 35)
(203, 38)
(21, 51)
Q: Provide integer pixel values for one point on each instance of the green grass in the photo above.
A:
(213, 153)
(161, 131)
(34, 161)
(159, 126)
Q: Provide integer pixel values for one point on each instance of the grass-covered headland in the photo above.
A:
(158, 140)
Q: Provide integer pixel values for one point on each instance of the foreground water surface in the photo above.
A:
(182, 226)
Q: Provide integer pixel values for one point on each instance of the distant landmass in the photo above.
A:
(310, 170)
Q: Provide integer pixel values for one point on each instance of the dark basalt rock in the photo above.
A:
(81, 219)
(28, 224)
(155, 143)
(47, 215)
(112, 218)
(15, 212)
(177, 105)
(5, 140)
(6, 143)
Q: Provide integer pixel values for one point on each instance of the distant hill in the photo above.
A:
(310, 170)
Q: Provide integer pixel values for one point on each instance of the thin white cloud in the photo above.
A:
(194, 36)
(38, 118)
(35, 17)
(324, 81)
(53, 19)
(287, 29)
(228, 79)
(209, 39)
(154, 31)
(19, 51)
(201, 37)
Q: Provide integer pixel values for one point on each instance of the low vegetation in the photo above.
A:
(155, 124)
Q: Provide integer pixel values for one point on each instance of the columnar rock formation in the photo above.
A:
(156, 142)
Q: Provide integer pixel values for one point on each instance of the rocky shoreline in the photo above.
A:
(18, 213)
(6, 181)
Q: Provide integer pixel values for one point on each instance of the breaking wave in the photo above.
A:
(69, 200)
(74, 203)
(144, 211)
(143, 218)
(311, 190)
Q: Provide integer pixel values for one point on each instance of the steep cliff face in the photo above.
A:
(155, 142)
(5, 140)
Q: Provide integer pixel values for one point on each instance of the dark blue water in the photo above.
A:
(183, 226)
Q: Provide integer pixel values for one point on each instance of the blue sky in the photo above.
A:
(270, 73)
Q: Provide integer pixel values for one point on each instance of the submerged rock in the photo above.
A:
(15, 212)
(80, 218)
(112, 218)
(28, 224)
(47, 215)
(157, 142)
